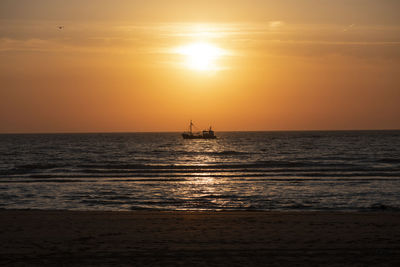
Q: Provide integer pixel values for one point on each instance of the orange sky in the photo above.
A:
(116, 65)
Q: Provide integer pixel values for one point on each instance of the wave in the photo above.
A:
(316, 164)
(389, 160)
(349, 181)
(263, 167)
(380, 207)
(203, 153)
(244, 173)
(119, 165)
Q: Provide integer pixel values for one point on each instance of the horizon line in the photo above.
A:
(226, 131)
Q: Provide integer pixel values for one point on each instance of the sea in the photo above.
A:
(278, 171)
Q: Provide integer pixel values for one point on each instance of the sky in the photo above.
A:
(129, 66)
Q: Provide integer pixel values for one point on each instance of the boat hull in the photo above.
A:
(192, 136)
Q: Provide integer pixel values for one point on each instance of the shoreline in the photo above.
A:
(370, 211)
(199, 238)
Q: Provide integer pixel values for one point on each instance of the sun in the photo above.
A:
(201, 56)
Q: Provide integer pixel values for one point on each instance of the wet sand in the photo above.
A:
(147, 238)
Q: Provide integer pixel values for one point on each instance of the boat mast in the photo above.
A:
(191, 124)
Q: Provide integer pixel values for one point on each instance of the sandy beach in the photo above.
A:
(150, 238)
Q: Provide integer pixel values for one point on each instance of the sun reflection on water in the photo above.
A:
(204, 190)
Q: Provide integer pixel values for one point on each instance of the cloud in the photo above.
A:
(275, 24)
(270, 38)
(349, 27)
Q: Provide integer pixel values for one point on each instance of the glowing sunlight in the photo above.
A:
(201, 56)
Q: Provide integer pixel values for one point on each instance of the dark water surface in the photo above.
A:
(343, 170)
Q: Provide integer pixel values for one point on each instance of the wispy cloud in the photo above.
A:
(275, 24)
(349, 27)
(273, 37)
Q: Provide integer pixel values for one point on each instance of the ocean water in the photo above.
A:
(339, 170)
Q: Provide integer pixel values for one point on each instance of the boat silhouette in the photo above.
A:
(205, 134)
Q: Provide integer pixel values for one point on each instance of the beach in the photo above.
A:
(181, 238)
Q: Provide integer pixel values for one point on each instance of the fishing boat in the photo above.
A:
(205, 134)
